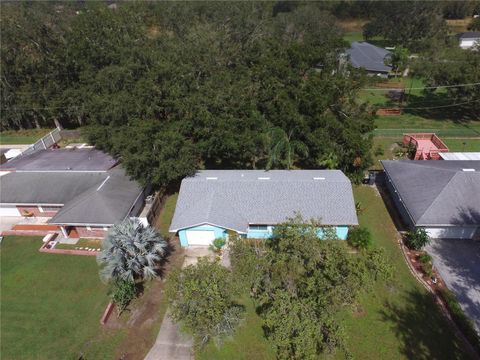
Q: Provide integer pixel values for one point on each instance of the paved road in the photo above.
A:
(458, 262)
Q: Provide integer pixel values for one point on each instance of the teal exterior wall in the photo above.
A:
(219, 232)
(342, 232)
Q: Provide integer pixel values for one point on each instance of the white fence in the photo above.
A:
(44, 143)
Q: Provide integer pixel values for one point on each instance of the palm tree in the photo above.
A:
(283, 150)
(131, 252)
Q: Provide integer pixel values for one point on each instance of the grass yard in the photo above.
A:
(394, 321)
(11, 137)
(462, 144)
(51, 305)
(166, 215)
(90, 243)
(400, 320)
(248, 342)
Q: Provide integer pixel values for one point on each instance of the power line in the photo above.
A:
(425, 87)
(441, 106)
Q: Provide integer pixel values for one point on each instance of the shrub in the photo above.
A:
(201, 299)
(425, 258)
(122, 293)
(217, 244)
(417, 239)
(462, 321)
(359, 237)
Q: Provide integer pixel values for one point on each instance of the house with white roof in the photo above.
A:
(214, 203)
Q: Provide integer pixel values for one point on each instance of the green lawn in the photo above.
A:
(51, 305)
(248, 342)
(90, 243)
(22, 136)
(399, 320)
(166, 215)
(462, 144)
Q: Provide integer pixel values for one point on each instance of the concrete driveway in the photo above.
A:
(458, 262)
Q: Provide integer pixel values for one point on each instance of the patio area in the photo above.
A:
(427, 145)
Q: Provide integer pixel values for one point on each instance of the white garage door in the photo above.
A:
(451, 232)
(197, 237)
(9, 211)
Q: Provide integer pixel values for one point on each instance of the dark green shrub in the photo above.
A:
(425, 258)
(359, 237)
(122, 293)
(462, 321)
(217, 244)
(417, 239)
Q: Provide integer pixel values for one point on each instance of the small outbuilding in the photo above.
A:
(469, 39)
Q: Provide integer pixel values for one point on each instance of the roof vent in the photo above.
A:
(318, 178)
(212, 178)
(263, 178)
(468, 169)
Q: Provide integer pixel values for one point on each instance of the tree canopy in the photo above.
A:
(299, 283)
(171, 87)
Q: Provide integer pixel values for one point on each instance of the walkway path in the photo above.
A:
(171, 344)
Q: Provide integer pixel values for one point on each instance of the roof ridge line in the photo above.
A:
(437, 197)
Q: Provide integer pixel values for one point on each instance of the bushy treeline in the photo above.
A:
(173, 86)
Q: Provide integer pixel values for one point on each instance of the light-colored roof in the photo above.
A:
(460, 155)
(368, 56)
(438, 193)
(233, 199)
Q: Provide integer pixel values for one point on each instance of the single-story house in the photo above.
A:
(250, 203)
(81, 192)
(469, 39)
(442, 197)
(363, 55)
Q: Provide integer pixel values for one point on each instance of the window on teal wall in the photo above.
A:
(258, 227)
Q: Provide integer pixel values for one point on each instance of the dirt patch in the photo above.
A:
(352, 25)
(144, 316)
(358, 311)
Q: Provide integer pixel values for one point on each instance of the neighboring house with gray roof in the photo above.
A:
(442, 197)
(363, 55)
(469, 39)
(77, 191)
(252, 202)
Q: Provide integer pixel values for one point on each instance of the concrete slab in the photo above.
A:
(171, 344)
(458, 262)
(7, 222)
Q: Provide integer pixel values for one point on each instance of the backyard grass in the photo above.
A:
(11, 137)
(166, 215)
(51, 305)
(463, 144)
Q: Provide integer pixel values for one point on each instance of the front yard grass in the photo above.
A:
(11, 137)
(90, 243)
(394, 321)
(247, 343)
(51, 305)
(400, 320)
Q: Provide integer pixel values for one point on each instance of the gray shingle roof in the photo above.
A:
(61, 160)
(108, 203)
(368, 56)
(438, 192)
(470, 35)
(89, 197)
(233, 199)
